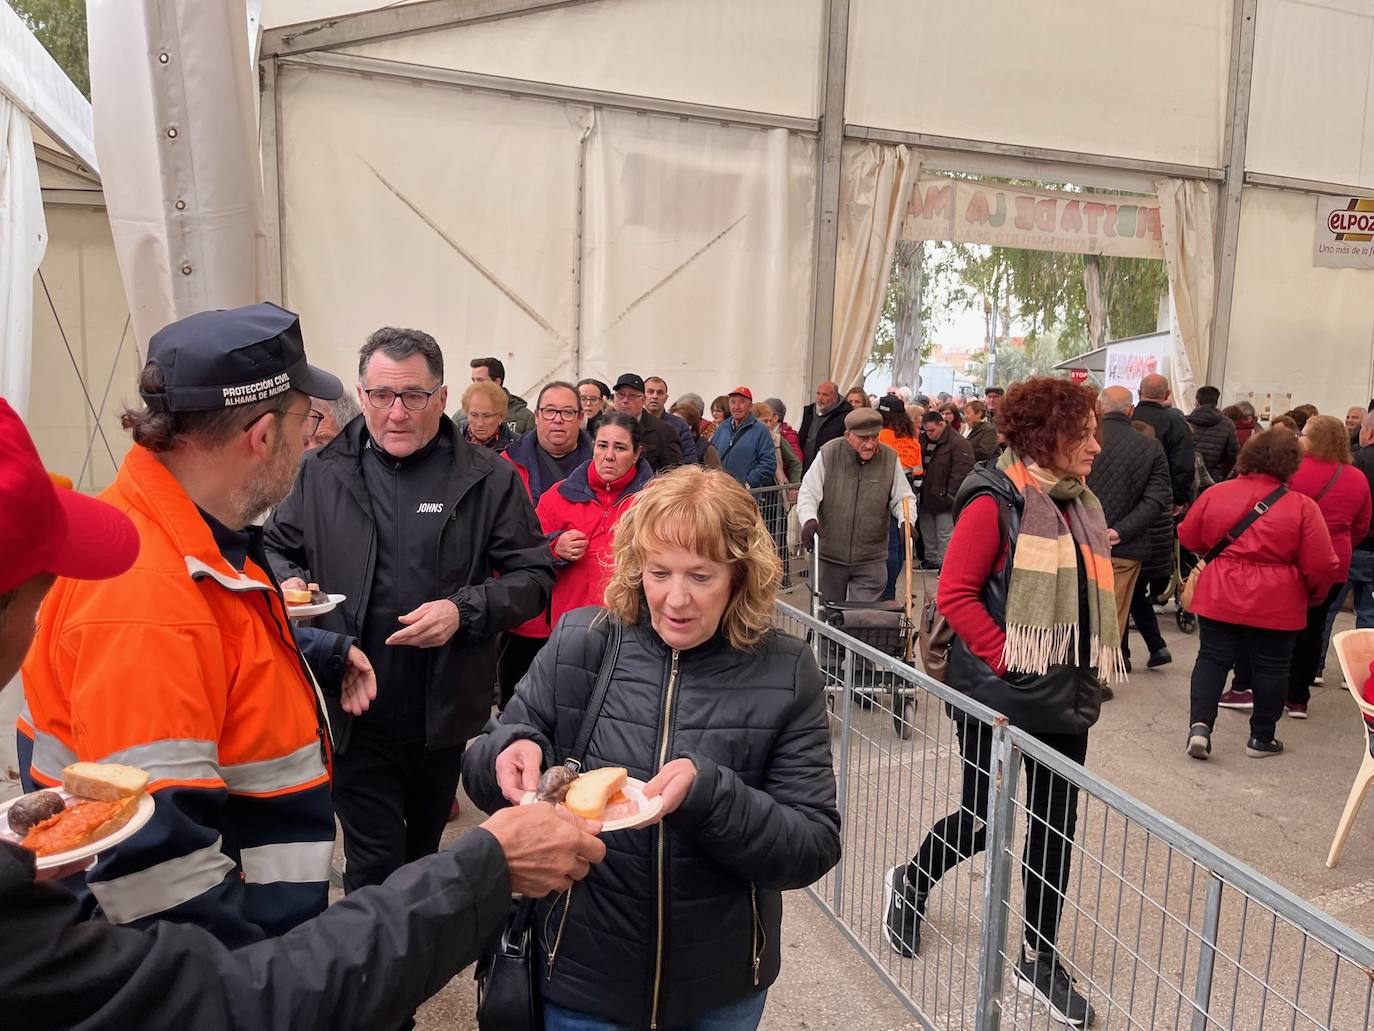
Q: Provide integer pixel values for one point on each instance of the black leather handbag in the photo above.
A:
(507, 977)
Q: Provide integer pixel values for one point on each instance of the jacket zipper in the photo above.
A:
(558, 938)
(757, 937)
(663, 841)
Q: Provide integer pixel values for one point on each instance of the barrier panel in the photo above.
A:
(776, 502)
(1159, 929)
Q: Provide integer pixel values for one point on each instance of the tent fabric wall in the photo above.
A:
(1187, 219)
(23, 237)
(1294, 328)
(874, 194)
(1312, 103)
(1112, 77)
(82, 276)
(429, 207)
(763, 55)
(176, 128)
(698, 254)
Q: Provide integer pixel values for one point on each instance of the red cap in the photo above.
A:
(44, 529)
(743, 392)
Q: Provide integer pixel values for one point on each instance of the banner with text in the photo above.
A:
(1345, 233)
(1039, 220)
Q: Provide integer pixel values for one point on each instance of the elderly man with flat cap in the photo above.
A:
(847, 496)
(186, 665)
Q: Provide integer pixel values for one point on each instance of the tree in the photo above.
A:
(60, 26)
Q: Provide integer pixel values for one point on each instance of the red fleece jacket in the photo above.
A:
(976, 551)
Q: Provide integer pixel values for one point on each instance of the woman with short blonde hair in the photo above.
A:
(725, 718)
(486, 405)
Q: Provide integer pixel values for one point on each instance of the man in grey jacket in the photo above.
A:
(846, 497)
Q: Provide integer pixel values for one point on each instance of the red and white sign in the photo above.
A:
(1344, 233)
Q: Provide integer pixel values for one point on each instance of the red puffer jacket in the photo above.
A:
(1277, 568)
(1345, 507)
(584, 501)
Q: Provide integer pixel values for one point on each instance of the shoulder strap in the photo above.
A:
(1330, 483)
(1261, 506)
(603, 681)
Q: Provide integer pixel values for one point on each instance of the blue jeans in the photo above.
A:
(738, 1016)
(1361, 581)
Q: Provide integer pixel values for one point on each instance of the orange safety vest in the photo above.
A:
(188, 668)
(908, 450)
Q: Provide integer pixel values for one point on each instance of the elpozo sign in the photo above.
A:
(1345, 233)
(1043, 220)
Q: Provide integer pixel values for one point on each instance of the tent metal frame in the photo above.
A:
(312, 44)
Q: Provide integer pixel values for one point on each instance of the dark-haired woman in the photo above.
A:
(1034, 640)
(579, 514)
(1252, 599)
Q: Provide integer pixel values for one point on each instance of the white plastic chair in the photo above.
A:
(1355, 649)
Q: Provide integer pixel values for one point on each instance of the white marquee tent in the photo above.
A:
(711, 190)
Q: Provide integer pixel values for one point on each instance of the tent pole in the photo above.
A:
(269, 122)
(828, 153)
(1242, 72)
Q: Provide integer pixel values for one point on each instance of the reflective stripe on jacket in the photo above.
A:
(189, 669)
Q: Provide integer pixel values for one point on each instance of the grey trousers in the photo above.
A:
(936, 530)
(861, 582)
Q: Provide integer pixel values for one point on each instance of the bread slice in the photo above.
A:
(297, 597)
(105, 782)
(589, 792)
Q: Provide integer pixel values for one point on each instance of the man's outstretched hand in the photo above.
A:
(547, 848)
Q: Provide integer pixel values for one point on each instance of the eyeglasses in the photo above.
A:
(413, 400)
(559, 414)
(309, 426)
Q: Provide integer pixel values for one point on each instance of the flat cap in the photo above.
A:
(863, 422)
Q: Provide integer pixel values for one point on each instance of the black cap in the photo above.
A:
(630, 380)
(891, 403)
(239, 356)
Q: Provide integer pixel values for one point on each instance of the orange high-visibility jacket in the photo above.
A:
(188, 668)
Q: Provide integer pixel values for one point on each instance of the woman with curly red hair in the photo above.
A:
(1027, 589)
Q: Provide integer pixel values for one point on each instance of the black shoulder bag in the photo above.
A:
(507, 981)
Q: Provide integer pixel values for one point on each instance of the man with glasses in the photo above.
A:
(436, 547)
(547, 456)
(662, 446)
(186, 665)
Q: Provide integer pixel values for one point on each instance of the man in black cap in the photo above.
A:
(436, 546)
(854, 486)
(186, 665)
(662, 447)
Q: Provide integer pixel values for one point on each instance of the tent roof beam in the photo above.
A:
(392, 22)
(1288, 182)
(381, 68)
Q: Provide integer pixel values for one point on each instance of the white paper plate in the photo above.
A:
(142, 814)
(306, 611)
(634, 789)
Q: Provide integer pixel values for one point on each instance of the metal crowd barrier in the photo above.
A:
(1159, 929)
(776, 502)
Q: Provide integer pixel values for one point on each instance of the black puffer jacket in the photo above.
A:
(1131, 479)
(1067, 699)
(1214, 438)
(760, 817)
(1171, 430)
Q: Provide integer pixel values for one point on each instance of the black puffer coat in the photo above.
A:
(1131, 479)
(1214, 438)
(760, 817)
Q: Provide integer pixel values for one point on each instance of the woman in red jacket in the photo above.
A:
(1027, 589)
(579, 514)
(1253, 597)
(1342, 494)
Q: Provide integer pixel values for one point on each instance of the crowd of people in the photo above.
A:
(497, 565)
(504, 557)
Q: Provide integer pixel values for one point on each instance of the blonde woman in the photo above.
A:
(485, 404)
(725, 718)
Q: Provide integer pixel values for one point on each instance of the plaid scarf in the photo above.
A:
(1042, 601)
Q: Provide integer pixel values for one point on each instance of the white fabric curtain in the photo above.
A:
(1187, 214)
(175, 111)
(23, 239)
(874, 193)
